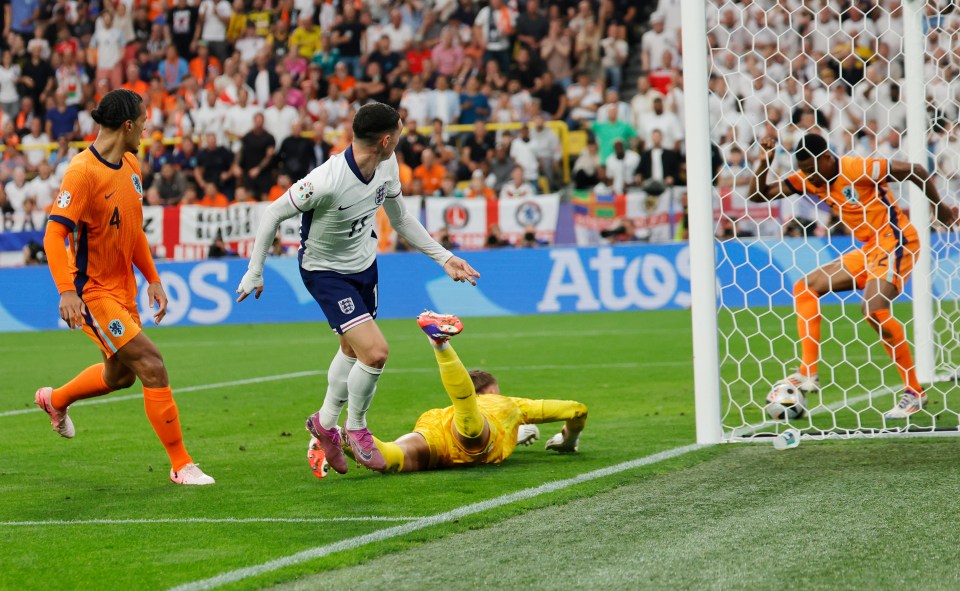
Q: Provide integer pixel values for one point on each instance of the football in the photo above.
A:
(785, 402)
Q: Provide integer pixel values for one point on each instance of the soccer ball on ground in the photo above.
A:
(785, 402)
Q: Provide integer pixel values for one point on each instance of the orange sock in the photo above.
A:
(162, 412)
(895, 342)
(87, 384)
(807, 304)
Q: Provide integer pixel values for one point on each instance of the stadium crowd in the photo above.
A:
(245, 97)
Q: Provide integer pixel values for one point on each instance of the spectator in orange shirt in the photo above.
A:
(212, 197)
(479, 188)
(134, 82)
(277, 191)
(406, 173)
(343, 80)
(430, 172)
(204, 67)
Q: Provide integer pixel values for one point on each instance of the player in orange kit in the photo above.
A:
(480, 427)
(856, 189)
(100, 212)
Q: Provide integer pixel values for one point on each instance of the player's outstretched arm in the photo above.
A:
(760, 189)
(281, 209)
(411, 230)
(901, 171)
(547, 411)
(72, 309)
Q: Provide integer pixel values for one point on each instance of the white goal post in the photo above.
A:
(745, 258)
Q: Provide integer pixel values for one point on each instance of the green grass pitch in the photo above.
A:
(869, 514)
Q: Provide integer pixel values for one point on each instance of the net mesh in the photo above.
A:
(782, 70)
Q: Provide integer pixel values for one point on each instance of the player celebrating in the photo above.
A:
(480, 427)
(856, 188)
(339, 201)
(99, 209)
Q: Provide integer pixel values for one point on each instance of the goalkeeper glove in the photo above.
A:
(527, 434)
(562, 443)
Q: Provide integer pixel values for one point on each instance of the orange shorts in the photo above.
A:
(111, 324)
(888, 261)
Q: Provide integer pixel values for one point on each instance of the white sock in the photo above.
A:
(361, 385)
(336, 395)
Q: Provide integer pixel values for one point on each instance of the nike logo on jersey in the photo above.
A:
(109, 196)
(341, 208)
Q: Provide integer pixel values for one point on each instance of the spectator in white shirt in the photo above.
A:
(655, 42)
(214, 18)
(16, 188)
(34, 145)
(518, 187)
(546, 147)
(445, 102)
(622, 168)
(279, 118)
(210, 118)
(239, 118)
(334, 104)
(584, 98)
(416, 100)
(612, 98)
(109, 43)
(400, 33)
(521, 152)
(668, 124)
(44, 187)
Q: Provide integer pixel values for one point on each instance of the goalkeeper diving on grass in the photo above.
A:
(480, 427)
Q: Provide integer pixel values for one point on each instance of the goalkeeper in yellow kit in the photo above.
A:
(480, 427)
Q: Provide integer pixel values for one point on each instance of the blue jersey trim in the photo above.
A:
(109, 165)
(65, 221)
(352, 163)
(895, 224)
(82, 260)
(305, 221)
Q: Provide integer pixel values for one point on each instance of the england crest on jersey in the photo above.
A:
(381, 194)
(346, 305)
(137, 184)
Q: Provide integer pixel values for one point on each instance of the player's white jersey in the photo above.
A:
(340, 211)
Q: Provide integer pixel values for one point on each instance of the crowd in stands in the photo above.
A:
(252, 94)
(246, 96)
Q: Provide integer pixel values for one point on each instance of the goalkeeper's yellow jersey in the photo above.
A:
(504, 415)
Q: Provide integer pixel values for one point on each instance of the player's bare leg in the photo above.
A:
(830, 278)
(143, 358)
(878, 295)
(367, 344)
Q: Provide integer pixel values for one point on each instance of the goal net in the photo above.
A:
(840, 69)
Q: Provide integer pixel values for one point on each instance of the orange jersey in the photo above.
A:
(862, 199)
(100, 203)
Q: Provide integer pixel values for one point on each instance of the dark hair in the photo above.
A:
(810, 146)
(481, 379)
(116, 108)
(373, 120)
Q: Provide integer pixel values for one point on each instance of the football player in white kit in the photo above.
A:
(338, 248)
